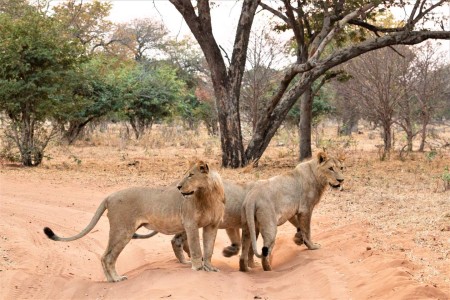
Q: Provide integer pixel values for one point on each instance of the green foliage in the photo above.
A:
(150, 93)
(320, 107)
(35, 62)
(431, 155)
(92, 95)
(446, 178)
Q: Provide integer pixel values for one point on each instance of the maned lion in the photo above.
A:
(294, 194)
(165, 211)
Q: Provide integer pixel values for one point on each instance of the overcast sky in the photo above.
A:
(224, 17)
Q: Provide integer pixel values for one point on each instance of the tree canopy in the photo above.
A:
(315, 25)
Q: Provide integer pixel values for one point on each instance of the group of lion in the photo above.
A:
(202, 200)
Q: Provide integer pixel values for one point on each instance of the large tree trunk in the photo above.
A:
(226, 83)
(304, 127)
(230, 130)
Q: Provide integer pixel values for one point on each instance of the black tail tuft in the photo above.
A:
(49, 233)
(265, 251)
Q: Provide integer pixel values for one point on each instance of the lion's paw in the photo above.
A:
(253, 264)
(197, 268)
(230, 251)
(120, 278)
(298, 238)
(210, 268)
(313, 246)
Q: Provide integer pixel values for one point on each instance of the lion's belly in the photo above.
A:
(285, 212)
(165, 220)
(231, 217)
(165, 226)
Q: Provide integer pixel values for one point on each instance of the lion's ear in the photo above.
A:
(322, 156)
(203, 167)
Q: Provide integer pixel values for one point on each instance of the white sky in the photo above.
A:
(225, 16)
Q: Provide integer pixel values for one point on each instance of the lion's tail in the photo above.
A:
(250, 216)
(100, 210)
(144, 236)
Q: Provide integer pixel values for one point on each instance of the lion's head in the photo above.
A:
(330, 169)
(197, 179)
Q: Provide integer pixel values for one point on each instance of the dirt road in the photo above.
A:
(34, 267)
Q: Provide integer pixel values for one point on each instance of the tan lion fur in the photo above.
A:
(163, 210)
(294, 194)
(235, 194)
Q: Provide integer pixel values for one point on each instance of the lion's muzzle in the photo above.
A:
(180, 186)
(338, 185)
(187, 193)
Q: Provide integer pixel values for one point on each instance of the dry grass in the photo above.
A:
(404, 201)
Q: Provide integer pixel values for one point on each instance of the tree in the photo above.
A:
(35, 61)
(150, 92)
(86, 21)
(407, 110)
(144, 38)
(299, 16)
(92, 95)
(265, 53)
(197, 105)
(226, 83)
(428, 86)
(378, 87)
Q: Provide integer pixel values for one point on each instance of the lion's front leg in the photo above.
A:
(305, 230)
(298, 237)
(194, 246)
(209, 238)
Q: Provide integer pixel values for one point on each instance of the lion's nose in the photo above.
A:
(340, 180)
(179, 187)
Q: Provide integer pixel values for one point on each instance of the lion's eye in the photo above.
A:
(331, 168)
(342, 168)
(190, 175)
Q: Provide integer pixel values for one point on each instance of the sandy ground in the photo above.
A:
(375, 245)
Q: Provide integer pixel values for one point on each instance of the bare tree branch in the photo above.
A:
(338, 26)
(225, 54)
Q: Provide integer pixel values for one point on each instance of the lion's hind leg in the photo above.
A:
(268, 234)
(179, 243)
(246, 245)
(117, 242)
(235, 239)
